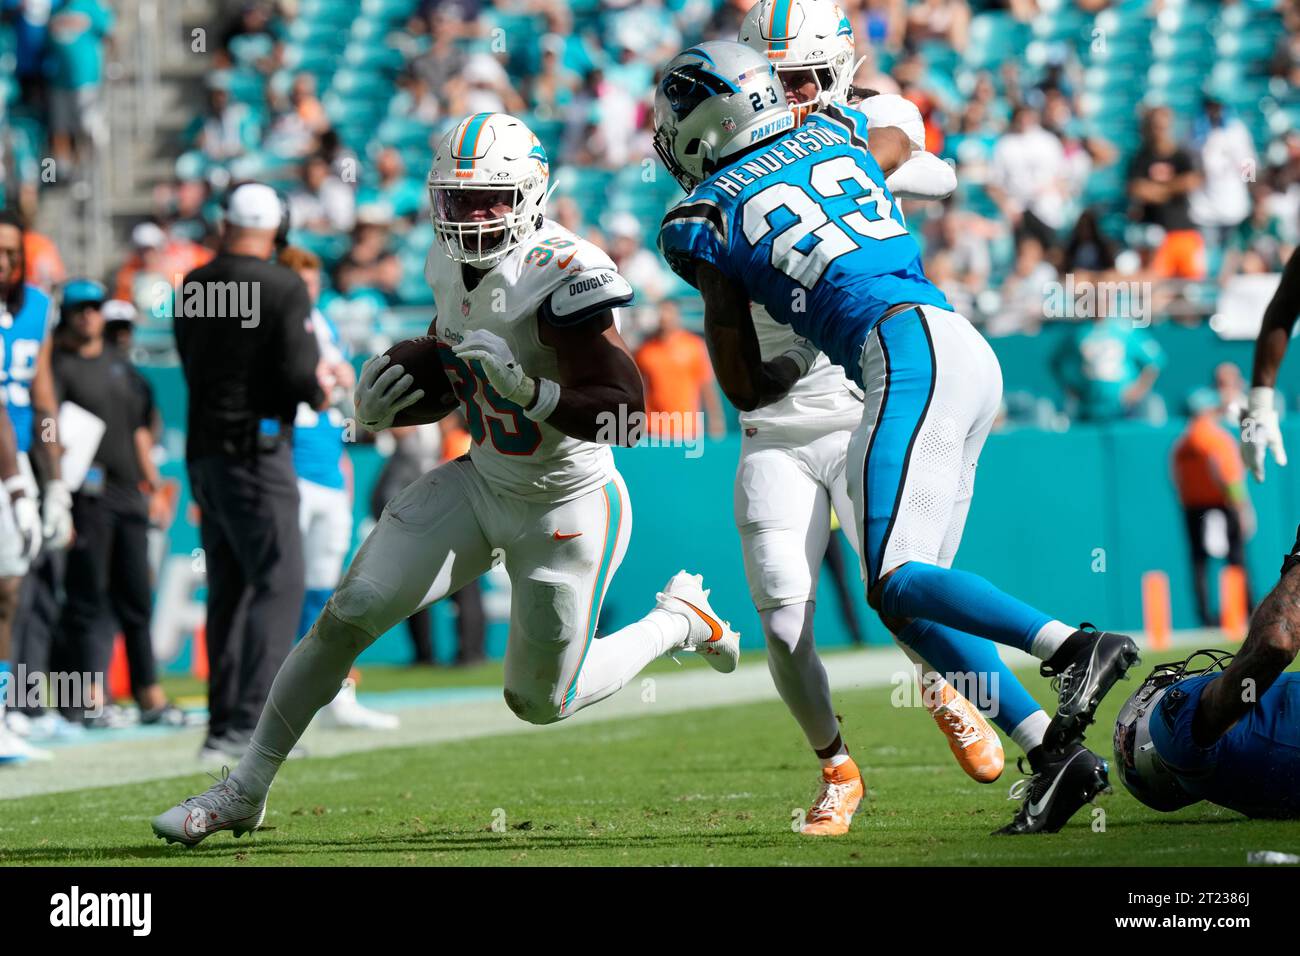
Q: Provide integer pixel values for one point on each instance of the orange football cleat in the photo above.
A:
(832, 812)
(973, 742)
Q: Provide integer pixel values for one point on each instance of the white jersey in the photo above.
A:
(823, 401)
(552, 276)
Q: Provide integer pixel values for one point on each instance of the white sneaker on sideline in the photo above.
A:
(346, 711)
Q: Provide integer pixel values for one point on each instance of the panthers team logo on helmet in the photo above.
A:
(488, 187)
(715, 100)
(811, 44)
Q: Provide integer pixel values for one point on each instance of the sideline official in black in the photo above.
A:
(243, 330)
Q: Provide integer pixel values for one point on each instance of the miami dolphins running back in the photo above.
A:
(799, 220)
(792, 460)
(1222, 727)
(528, 333)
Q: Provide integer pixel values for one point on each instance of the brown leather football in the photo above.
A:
(420, 358)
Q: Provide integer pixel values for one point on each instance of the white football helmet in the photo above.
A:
(715, 100)
(807, 41)
(488, 187)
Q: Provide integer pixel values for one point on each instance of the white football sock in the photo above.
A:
(1029, 732)
(616, 658)
(1048, 640)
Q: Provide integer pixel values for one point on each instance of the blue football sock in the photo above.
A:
(963, 601)
(313, 602)
(974, 668)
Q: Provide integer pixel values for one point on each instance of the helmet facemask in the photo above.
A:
(478, 223)
(797, 77)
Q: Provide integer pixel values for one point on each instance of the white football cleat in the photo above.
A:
(222, 806)
(346, 711)
(13, 749)
(709, 636)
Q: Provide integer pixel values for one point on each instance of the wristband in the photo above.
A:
(548, 396)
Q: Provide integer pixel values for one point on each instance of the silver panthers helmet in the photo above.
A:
(716, 99)
(1142, 771)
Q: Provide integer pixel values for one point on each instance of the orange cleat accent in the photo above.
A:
(970, 738)
(832, 812)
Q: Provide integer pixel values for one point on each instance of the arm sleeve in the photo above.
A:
(694, 230)
(299, 352)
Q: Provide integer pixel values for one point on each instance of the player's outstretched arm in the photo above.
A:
(746, 380)
(598, 379)
(889, 146)
(1268, 650)
(1259, 422)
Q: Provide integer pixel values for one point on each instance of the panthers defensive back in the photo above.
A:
(528, 333)
(1228, 730)
(792, 461)
(799, 220)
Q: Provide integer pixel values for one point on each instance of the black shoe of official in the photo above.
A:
(1094, 661)
(168, 715)
(1061, 786)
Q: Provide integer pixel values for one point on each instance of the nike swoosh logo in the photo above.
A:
(556, 536)
(564, 263)
(1036, 808)
(714, 627)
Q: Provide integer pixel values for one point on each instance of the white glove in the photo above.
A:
(382, 392)
(27, 518)
(924, 176)
(56, 515)
(1260, 432)
(493, 354)
(890, 109)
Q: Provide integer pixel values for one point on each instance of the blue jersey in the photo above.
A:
(318, 436)
(1254, 768)
(21, 338)
(808, 228)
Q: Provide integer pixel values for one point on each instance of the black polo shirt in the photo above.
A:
(243, 331)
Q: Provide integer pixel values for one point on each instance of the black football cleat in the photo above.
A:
(1082, 682)
(1057, 791)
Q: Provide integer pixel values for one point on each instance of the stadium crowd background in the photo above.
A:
(1139, 141)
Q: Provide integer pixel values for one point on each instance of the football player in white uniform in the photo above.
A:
(793, 453)
(528, 333)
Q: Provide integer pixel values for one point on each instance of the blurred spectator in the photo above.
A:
(299, 119)
(323, 202)
(1030, 178)
(1161, 176)
(1107, 367)
(553, 86)
(642, 268)
(1262, 233)
(1089, 253)
(77, 34)
(1211, 483)
(227, 130)
(400, 195)
(157, 262)
(1231, 389)
(31, 21)
(1227, 164)
(939, 21)
(45, 268)
(678, 376)
(1024, 293)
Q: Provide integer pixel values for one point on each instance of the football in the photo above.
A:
(419, 356)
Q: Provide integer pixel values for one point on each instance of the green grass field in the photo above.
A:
(700, 787)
